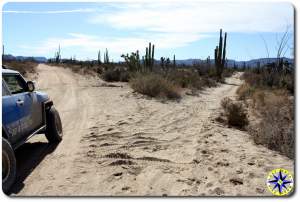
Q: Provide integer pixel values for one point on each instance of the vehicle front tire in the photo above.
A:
(54, 131)
(9, 166)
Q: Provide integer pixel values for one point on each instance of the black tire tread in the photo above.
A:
(52, 134)
(6, 147)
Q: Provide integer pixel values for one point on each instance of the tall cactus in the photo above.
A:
(99, 58)
(144, 61)
(146, 58)
(2, 53)
(174, 61)
(162, 62)
(149, 54)
(57, 56)
(137, 56)
(149, 57)
(137, 63)
(208, 61)
(106, 57)
(152, 57)
(220, 55)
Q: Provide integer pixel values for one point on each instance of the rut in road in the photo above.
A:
(117, 142)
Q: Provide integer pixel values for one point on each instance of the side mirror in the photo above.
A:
(30, 86)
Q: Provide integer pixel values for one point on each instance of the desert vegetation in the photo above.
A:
(141, 70)
(269, 93)
(265, 103)
(234, 113)
(155, 85)
(24, 67)
(119, 128)
(155, 98)
(266, 96)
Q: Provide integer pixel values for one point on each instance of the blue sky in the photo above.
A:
(187, 29)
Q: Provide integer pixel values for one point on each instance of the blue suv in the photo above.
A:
(25, 112)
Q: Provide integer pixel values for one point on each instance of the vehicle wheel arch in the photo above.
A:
(48, 105)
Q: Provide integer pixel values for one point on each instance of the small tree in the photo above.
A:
(133, 61)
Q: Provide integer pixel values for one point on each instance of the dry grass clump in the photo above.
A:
(24, 67)
(235, 113)
(265, 78)
(155, 85)
(276, 130)
(271, 95)
(245, 91)
(115, 74)
(80, 68)
(190, 79)
(227, 72)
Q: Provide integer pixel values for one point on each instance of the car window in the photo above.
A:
(4, 90)
(15, 83)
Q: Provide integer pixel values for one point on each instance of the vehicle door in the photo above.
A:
(26, 103)
(10, 114)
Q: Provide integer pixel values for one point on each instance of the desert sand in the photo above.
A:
(120, 143)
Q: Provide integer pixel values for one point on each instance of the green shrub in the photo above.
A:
(154, 85)
(270, 79)
(235, 113)
(115, 74)
(190, 79)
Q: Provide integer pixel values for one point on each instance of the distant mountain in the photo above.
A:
(188, 62)
(249, 63)
(23, 58)
(254, 62)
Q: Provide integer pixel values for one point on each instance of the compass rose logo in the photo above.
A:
(280, 182)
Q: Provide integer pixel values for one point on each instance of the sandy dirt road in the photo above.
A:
(120, 143)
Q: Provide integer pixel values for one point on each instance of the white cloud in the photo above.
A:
(168, 24)
(199, 17)
(86, 10)
(116, 45)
